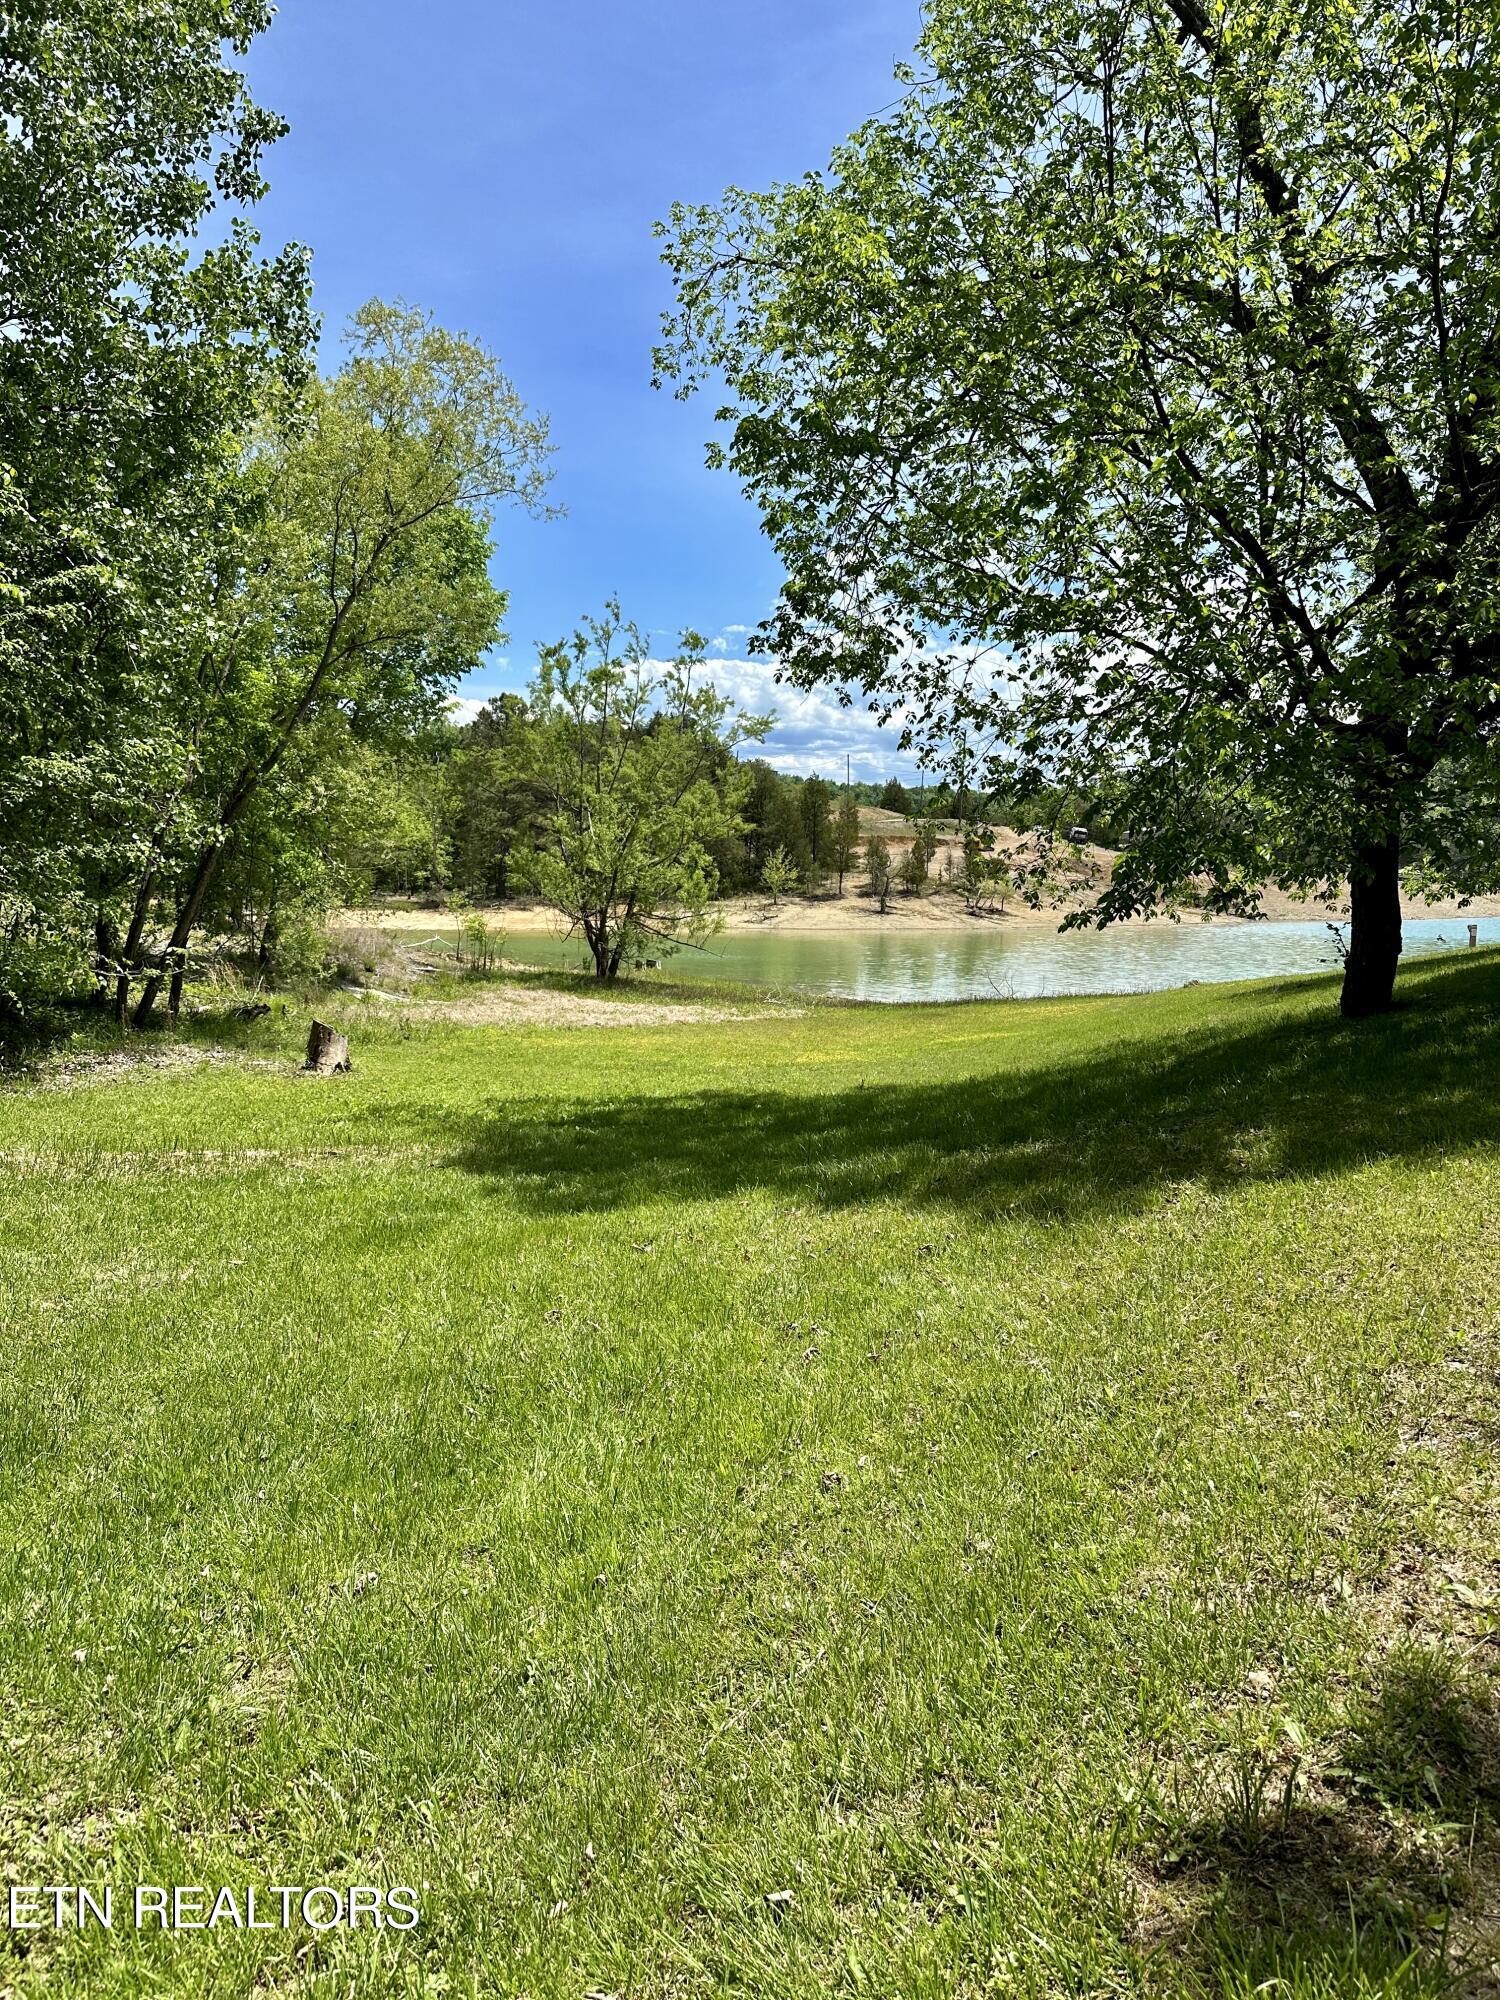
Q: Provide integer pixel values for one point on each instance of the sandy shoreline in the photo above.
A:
(857, 915)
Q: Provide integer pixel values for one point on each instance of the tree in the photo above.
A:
(978, 874)
(130, 361)
(489, 806)
(895, 798)
(843, 848)
(1034, 871)
(878, 868)
(926, 844)
(779, 874)
(629, 762)
(1156, 346)
(307, 842)
(914, 868)
(773, 818)
(815, 804)
(397, 838)
(359, 585)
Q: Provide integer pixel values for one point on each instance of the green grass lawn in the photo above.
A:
(1023, 1479)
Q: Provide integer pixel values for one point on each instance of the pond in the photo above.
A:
(1014, 964)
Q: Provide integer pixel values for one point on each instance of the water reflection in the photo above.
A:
(1020, 964)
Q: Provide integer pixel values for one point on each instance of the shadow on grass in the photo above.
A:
(1254, 1095)
(1383, 1878)
(85, 1030)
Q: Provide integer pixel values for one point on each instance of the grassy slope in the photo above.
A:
(1020, 1477)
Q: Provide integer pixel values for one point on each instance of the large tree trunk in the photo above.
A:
(132, 945)
(106, 953)
(1374, 928)
(596, 936)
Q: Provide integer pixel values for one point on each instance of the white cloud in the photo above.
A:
(813, 733)
(727, 635)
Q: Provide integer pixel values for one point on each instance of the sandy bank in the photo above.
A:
(857, 915)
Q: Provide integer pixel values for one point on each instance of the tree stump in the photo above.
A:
(327, 1050)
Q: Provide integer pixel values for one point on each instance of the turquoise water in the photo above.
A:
(1020, 964)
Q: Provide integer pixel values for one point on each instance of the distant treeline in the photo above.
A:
(460, 805)
(1059, 811)
(448, 815)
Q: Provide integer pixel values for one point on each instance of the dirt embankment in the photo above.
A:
(938, 907)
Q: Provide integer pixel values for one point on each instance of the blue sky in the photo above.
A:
(502, 164)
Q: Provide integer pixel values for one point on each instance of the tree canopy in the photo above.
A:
(130, 361)
(632, 766)
(1127, 399)
(355, 595)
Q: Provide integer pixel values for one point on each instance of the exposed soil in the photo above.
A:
(73, 1072)
(545, 1007)
(936, 908)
